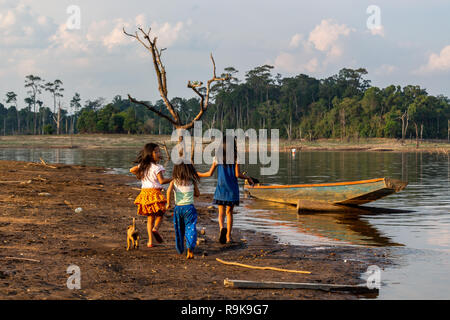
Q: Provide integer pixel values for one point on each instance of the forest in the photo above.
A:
(344, 106)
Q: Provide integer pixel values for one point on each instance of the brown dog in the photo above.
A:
(132, 236)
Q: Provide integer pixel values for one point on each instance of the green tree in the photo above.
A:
(34, 84)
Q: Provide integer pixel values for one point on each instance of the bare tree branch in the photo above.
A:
(152, 109)
(161, 76)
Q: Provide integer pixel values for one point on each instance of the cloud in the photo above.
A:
(68, 40)
(437, 62)
(20, 27)
(110, 33)
(315, 53)
(295, 40)
(325, 37)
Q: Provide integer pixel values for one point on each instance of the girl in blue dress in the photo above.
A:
(226, 196)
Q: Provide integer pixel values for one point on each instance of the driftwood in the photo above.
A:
(67, 203)
(21, 182)
(45, 164)
(261, 268)
(22, 259)
(243, 284)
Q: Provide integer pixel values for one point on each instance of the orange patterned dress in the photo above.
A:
(151, 201)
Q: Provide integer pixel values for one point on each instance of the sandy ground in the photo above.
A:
(38, 222)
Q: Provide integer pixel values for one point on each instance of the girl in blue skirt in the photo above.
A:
(226, 196)
(185, 186)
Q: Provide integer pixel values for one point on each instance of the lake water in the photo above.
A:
(418, 237)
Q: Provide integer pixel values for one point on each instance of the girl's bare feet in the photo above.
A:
(190, 254)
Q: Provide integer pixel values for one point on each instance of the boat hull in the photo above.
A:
(327, 196)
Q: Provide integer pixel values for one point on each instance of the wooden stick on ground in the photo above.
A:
(261, 268)
(21, 182)
(67, 203)
(243, 284)
(45, 164)
(22, 259)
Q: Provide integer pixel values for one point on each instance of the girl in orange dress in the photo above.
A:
(151, 202)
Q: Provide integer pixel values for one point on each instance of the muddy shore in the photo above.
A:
(41, 235)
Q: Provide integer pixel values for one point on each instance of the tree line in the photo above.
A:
(342, 106)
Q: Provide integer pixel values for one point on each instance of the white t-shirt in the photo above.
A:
(150, 179)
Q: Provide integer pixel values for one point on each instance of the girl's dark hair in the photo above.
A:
(145, 159)
(183, 174)
(231, 140)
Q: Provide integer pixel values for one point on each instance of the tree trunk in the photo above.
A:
(405, 119)
(58, 121)
(342, 124)
(290, 127)
(437, 127)
(43, 122)
(248, 117)
(221, 120)
(417, 135)
(18, 120)
(34, 119)
(296, 104)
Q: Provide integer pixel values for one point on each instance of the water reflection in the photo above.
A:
(344, 227)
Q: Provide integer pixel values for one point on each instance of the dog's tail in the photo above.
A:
(134, 223)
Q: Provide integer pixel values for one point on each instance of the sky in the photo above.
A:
(81, 42)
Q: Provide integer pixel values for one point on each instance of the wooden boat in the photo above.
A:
(339, 196)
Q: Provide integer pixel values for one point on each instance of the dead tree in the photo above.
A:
(161, 75)
(405, 120)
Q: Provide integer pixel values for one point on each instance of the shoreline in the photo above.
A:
(124, 141)
(38, 222)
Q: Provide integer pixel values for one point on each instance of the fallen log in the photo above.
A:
(243, 284)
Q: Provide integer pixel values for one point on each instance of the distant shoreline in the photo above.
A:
(124, 141)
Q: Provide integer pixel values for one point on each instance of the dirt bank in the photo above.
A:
(38, 222)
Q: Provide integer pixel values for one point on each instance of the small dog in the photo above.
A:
(133, 236)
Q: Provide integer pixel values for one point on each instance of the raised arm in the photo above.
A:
(134, 170)
(163, 180)
(208, 173)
